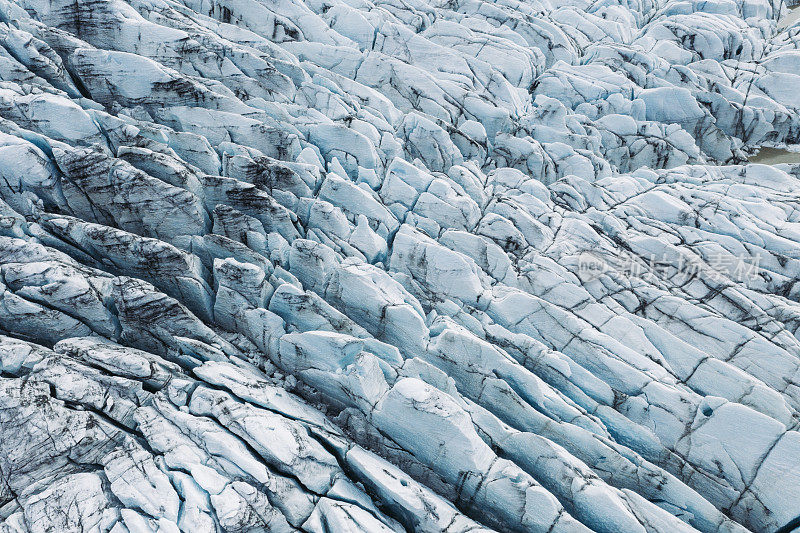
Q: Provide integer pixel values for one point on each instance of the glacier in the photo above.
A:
(451, 266)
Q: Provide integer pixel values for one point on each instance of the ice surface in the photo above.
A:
(334, 266)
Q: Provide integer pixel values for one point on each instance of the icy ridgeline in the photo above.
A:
(277, 266)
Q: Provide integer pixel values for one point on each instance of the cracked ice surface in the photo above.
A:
(321, 266)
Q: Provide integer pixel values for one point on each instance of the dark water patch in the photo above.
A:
(790, 18)
(774, 156)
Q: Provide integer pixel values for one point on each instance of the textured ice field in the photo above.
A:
(453, 266)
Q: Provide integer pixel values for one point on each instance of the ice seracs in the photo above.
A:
(399, 266)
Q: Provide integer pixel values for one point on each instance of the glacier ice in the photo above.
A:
(380, 265)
